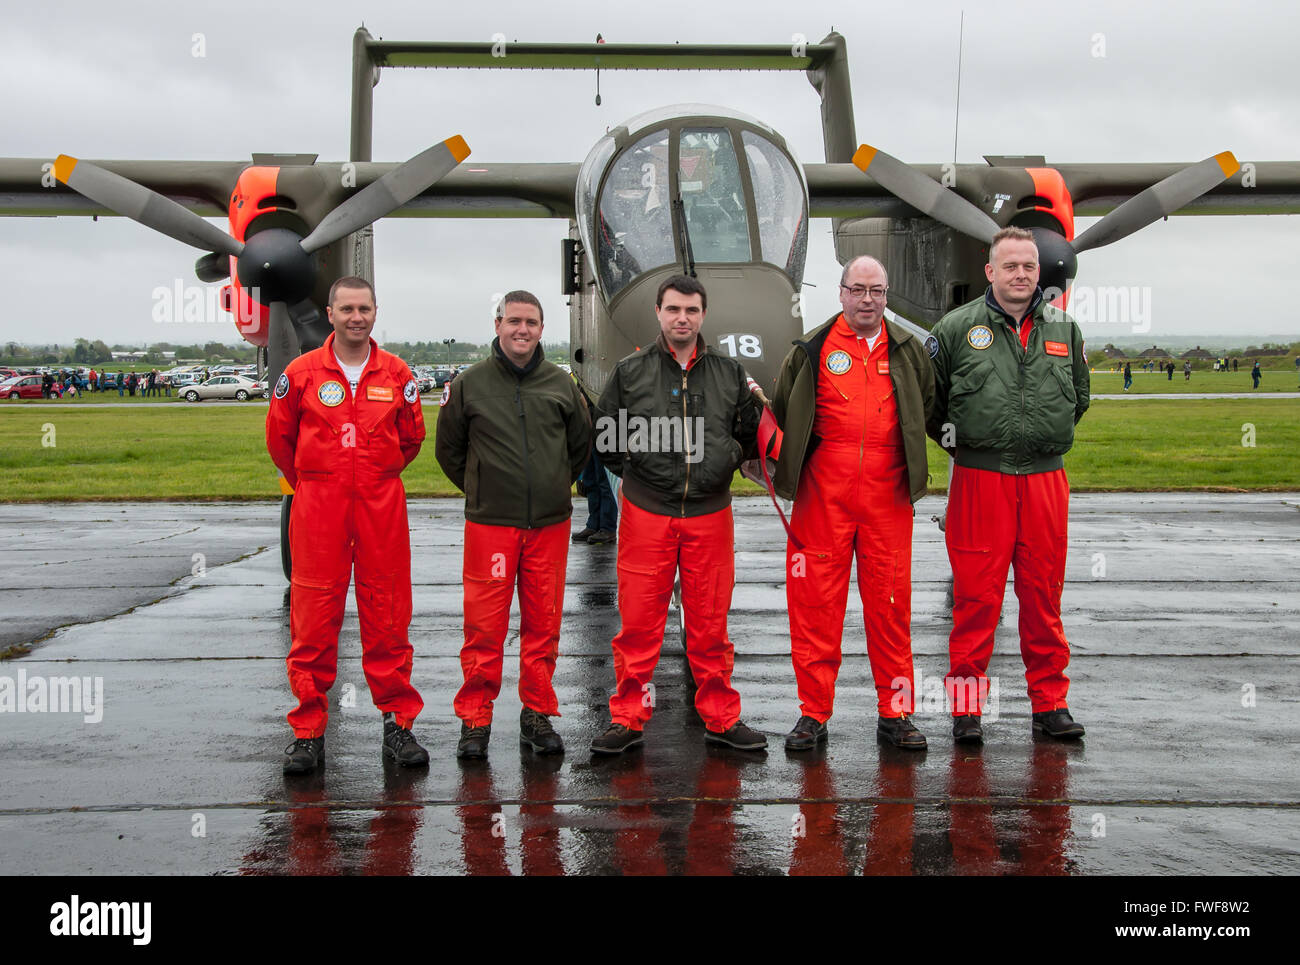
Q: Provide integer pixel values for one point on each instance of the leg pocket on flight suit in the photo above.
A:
(882, 573)
(380, 605)
(547, 593)
(974, 565)
(807, 574)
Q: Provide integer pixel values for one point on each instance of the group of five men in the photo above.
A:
(999, 384)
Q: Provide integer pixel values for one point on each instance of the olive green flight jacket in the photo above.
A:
(795, 404)
(514, 440)
(1002, 407)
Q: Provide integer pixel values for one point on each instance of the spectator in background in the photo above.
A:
(94, 381)
(1170, 369)
(1187, 371)
(121, 383)
(1255, 375)
(132, 381)
(602, 507)
(1234, 365)
(1128, 376)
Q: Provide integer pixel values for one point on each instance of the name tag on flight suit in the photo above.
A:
(882, 367)
(379, 393)
(1056, 348)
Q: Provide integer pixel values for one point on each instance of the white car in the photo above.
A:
(224, 387)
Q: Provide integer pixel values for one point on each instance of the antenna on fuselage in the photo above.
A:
(956, 120)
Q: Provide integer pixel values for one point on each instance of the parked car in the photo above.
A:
(224, 387)
(21, 387)
(441, 377)
(423, 377)
(182, 379)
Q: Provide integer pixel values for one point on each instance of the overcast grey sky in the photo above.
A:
(1176, 84)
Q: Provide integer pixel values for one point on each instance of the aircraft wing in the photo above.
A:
(1265, 187)
(537, 190)
(476, 190)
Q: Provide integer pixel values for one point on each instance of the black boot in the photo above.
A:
(304, 755)
(401, 746)
(536, 731)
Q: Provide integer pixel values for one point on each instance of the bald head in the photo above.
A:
(863, 286)
(862, 260)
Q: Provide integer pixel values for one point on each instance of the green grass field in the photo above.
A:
(216, 452)
(1150, 383)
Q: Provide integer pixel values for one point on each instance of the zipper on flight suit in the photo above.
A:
(686, 436)
(528, 475)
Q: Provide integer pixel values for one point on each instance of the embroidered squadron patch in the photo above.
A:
(932, 345)
(446, 394)
(330, 394)
(282, 386)
(981, 336)
(411, 391)
(838, 362)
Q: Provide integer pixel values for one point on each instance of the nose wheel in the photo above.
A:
(286, 557)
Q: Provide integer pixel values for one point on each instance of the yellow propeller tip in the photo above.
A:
(1228, 162)
(459, 149)
(863, 157)
(63, 165)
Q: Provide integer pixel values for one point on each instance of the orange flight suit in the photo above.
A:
(853, 500)
(343, 454)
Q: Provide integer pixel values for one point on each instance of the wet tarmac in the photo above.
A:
(1182, 611)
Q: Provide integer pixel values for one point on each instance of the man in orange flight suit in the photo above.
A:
(344, 422)
(852, 400)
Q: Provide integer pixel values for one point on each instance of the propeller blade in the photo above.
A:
(925, 195)
(214, 266)
(312, 328)
(389, 193)
(138, 203)
(281, 343)
(1161, 199)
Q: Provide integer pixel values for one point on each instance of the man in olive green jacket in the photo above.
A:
(513, 434)
(1011, 381)
(852, 401)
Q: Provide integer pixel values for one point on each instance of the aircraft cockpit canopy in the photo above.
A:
(731, 179)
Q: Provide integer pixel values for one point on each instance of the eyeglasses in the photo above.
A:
(858, 292)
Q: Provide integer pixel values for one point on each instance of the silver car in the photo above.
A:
(224, 387)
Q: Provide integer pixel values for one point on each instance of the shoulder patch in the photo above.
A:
(981, 337)
(446, 394)
(931, 346)
(282, 385)
(411, 391)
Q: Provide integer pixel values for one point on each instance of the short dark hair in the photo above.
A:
(1010, 233)
(520, 297)
(352, 281)
(685, 285)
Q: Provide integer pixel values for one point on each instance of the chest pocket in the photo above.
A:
(970, 379)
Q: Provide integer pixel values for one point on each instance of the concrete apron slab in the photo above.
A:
(1184, 662)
